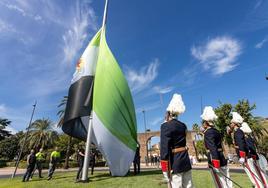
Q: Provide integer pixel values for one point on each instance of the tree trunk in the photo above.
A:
(196, 153)
(66, 164)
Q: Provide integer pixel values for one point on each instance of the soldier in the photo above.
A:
(54, 159)
(213, 143)
(80, 160)
(242, 150)
(31, 160)
(253, 152)
(174, 152)
(136, 161)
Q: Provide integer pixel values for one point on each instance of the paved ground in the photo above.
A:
(8, 171)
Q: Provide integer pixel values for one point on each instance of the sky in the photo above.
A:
(214, 50)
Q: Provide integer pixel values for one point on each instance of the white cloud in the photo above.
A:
(6, 27)
(261, 43)
(3, 110)
(218, 55)
(148, 107)
(157, 121)
(74, 37)
(162, 90)
(21, 11)
(141, 79)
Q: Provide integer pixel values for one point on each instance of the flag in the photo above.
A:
(99, 88)
(114, 119)
(79, 103)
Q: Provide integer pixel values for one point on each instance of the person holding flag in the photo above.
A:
(242, 150)
(175, 161)
(253, 152)
(213, 143)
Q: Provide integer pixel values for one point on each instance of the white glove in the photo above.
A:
(166, 176)
(217, 170)
(242, 160)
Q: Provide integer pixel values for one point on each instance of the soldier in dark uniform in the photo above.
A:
(174, 152)
(136, 161)
(80, 160)
(92, 160)
(31, 160)
(252, 152)
(242, 150)
(213, 143)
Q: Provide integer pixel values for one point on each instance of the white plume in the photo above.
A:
(176, 105)
(237, 118)
(245, 128)
(209, 114)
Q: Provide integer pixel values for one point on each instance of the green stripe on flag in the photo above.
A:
(96, 39)
(112, 100)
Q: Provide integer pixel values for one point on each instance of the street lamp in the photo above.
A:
(145, 129)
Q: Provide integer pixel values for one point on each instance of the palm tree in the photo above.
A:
(3, 124)
(42, 134)
(60, 113)
(195, 128)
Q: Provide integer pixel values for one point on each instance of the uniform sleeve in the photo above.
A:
(210, 144)
(241, 143)
(252, 148)
(164, 145)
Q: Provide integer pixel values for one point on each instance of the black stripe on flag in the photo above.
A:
(79, 105)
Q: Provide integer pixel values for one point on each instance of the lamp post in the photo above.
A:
(145, 129)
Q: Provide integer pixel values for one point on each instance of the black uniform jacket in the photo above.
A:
(173, 135)
(240, 143)
(213, 143)
(251, 147)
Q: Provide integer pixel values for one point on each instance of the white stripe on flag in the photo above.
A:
(117, 154)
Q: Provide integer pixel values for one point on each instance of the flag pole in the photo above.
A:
(24, 141)
(90, 123)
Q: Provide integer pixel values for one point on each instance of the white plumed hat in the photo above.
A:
(209, 114)
(237, 118)
(176, 105)
(245, 128)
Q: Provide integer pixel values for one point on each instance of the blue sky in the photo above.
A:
(214, 49)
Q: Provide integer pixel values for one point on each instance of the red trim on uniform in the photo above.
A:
(242, 154)
(216, 163)
(254, 157)
(252, 175)
(164, 165)
(259, 172)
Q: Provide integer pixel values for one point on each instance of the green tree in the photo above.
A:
(42, 134)
(200, 147)
(3, 124)
(61, 113)
(10, 146)
(244, 108)
(195, 128)
(224, 118)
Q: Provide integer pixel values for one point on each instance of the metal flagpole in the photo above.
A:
(22, 147)
(89, 132)
(87, 152)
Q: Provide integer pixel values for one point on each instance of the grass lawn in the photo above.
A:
(151, 179)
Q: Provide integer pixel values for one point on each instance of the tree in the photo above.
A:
(3, 124)
(61, 113)
(200, 147)
(10, 146)
(244, 108)
(195, 128)
(42, 134)
(224, 119)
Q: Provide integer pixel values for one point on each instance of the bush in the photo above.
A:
(3, 163)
